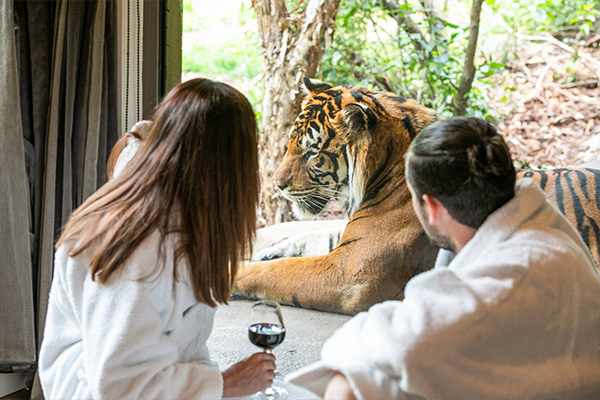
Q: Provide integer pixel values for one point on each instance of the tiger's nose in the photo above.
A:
(280, 185)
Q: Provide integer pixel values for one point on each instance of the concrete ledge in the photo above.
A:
(594, 164)
(306, 331)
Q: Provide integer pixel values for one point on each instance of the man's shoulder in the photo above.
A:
(530, 247)
(545, 246)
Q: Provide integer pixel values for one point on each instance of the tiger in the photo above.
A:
(348, 144)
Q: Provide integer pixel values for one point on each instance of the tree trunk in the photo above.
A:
(293, 43)
(466, 80)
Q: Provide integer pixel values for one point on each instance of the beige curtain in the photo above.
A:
(57, 126)
(17, 329)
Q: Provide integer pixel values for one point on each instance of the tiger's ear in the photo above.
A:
(357, 118)
(313, 87)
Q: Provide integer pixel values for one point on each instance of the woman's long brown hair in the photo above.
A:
(196, 174)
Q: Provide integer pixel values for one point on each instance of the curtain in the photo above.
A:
(57, 125)
(17, 332)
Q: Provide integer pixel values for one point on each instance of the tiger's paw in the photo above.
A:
(286, 249)
(308, 244)
(238, 296)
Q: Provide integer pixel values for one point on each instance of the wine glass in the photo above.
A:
(267, 331)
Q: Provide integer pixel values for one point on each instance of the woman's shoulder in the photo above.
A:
(152, 260)
(66, 264)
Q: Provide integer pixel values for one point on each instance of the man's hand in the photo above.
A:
(249, 376)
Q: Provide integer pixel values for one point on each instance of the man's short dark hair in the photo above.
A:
(465, 164)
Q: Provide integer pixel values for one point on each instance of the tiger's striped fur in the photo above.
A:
(576, 193)
(348, 143)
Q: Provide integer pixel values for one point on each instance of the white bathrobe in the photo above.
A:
(131, 338)
(515, 315)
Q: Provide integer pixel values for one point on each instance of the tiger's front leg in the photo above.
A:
(310, 282)
(376, 257)
(348, 280)
(297, 239)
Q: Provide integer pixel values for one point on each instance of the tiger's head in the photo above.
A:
(343, 136)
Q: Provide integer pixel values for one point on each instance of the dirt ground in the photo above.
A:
(551, 112)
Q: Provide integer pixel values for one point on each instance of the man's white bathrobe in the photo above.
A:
(515, 315)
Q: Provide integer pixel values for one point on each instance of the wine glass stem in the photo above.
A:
(269, 392)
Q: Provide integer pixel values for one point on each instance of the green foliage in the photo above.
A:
(191, 18)
(554, 16)
(353, 59)
(232, 59)
(519, 164)
(237, 61)
(586, 16)
(371, 50)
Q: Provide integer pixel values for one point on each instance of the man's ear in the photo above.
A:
(434, 209)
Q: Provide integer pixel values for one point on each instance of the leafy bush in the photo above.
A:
(372, 50)
(237, 62)
(233, 59)
(554, 16)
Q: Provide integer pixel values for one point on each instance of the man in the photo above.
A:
(511, 309)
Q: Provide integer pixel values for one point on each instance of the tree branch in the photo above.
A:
(405, 23)
(271, 18)
(314, 36)
(466, 80)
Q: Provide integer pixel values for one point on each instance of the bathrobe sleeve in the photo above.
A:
(127, 352)
(375, 349)
(504, 316)
(399, 343)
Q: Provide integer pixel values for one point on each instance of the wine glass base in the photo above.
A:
(271, 393)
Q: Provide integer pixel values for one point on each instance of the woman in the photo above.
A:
(142, 264)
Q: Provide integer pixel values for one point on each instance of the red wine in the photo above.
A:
(267, 336)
